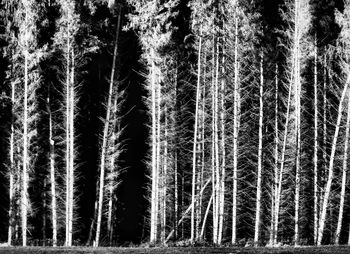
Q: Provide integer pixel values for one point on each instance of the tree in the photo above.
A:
(65, 41)
(112, 90)
(153, 22)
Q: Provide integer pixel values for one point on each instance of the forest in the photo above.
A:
(184, 122)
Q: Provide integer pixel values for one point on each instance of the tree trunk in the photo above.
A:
(275, 176)
(315, 147)
(68, 154)
(12, 170)
(258, 188)
(184, 214)
(194, 156)
(154, 201)
(235, 137)
(280, 176)
(71, 150)
(52, 178)
(25, 178)
(297, 84)
(343, 183)
(105, 136)
(223, 152)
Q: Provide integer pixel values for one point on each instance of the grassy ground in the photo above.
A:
(184, 250)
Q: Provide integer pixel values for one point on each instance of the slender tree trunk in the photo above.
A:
(194, 156)
(343, 183)
(71, 150)
(235, 137)
(176, 198)
(154, 201)
(215, 145)
(325, 141)
(258, 188)
(105, 136)
(68, 154)
(52, 178)
(331, 166)
(297, 84)
(44, 212)
(223, 153)
(110, 194)
(275, 177)
(12, 169)
(184, 214)
(206, 216)
(280, 176)
(25, 178)
(164, 180)
(113, 168)
(315, 147)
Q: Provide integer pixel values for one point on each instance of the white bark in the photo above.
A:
(324, 206)
(105, 136)
(276, 154)
(12, 168)
(343, 182)
(154, 201)
(235, 137)
(71, 150)
(315, 146)
(297, 89)
(223, 154)
(68, 154)
(280, 175)
(215, 145)
(52, 179)
(25, 177)
(184, 214)
(259, 175)
(194, 156)
(206, 216)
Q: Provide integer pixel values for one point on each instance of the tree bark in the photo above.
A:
(260, 151)
(25, 177)
(343, 183)
(315, 146)
(194, 152)
(235, 136)
(52, 177)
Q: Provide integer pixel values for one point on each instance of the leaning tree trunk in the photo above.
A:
(105, 136)
(343, 183)
(276, 154)
(281, 170)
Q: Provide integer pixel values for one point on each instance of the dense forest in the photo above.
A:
(222, 122)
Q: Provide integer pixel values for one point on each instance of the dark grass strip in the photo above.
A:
(177, 250)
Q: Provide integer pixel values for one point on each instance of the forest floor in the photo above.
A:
(184, 250)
